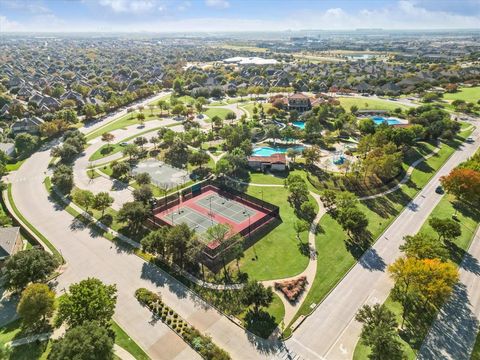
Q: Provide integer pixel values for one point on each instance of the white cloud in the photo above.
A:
(7, 25)
(221, 4)
(124, 6)
(31, 6)
(184, 6)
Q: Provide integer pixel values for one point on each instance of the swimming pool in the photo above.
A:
(390, 121)
(299, 124)
(268, 151)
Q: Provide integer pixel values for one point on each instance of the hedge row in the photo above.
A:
(200, 343)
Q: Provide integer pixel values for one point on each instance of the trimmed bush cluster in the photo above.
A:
(200, 343)
(292, 288)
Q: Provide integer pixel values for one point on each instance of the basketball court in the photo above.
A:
(163, 175)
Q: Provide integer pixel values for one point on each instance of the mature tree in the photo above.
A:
(141, 118)
(134, 213)
(424, 280)
(102, 201)
(36, 305)
(90, 341)
(223, 166)
(108, 138)
(140, 141)
(308, 210)
(366, 126)
(88, 300)
(143, 178)
(89, 110)
(219, 234)
(143, 194)
(131, 150)
(155, 242)
(177, 154)
(311, 154)
(464, 183)
(328, 198)
(162, 105)
(198, 158)
(447, 229)
(25, 144)
(62, 178)
(120, 170)
(379, 332)
(257, 295)
(300, 226)
(24, 267)
(424, 246)
(84, 198)
(353, 221)
(179, 240)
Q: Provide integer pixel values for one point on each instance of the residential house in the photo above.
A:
(10, 243)
(299, 102)
(29, 125)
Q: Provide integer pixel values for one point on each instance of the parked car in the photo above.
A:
(439, 190)
(123, 144)
(469, 140)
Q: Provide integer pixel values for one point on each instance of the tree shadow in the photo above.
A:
(159, 278)
(304, 248)
(372, 261)
(453, 333)
(261, 323)
(358, 245)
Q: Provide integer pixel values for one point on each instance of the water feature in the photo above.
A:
(299, 124)
(390, 121)
(268, 151)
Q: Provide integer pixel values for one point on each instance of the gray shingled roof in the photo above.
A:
(8, 237)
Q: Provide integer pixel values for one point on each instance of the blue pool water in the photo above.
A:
(390, 121)
(268, 151)
(299, 124)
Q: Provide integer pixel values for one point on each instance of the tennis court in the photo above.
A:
(163, 175)
(194, 220)
(228, 208)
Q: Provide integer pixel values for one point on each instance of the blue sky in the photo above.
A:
(234, 15)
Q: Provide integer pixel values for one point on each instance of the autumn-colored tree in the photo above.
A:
(464, 184)
(429, 281)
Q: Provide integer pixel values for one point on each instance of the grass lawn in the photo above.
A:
(220, 112)
(123, 122)
(249, 107)
(277, 254)
(334, 259)
(469, 94)
(123, 340)
(476, 349)
(14, 166)
(375, 104)
(269, 319)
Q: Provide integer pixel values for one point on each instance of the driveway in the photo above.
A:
(331, 332)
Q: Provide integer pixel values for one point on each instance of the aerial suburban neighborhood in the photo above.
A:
(227, 179)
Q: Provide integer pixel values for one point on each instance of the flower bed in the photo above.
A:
(292, 289)
(200, 343)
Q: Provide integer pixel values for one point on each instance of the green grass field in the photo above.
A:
(277, 254)
(469, 94)
(374, 104)
(249, 107)
(220, 112)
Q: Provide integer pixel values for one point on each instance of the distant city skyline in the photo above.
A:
(169, 16)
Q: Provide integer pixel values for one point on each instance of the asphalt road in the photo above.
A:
(331, 332)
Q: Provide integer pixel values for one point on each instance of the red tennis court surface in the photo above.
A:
(210, 208)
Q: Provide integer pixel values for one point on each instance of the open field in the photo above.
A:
(277, 254)
(220, 112)
(370, 104)
(470, 94)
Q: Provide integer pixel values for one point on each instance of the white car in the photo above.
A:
(469, 140)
